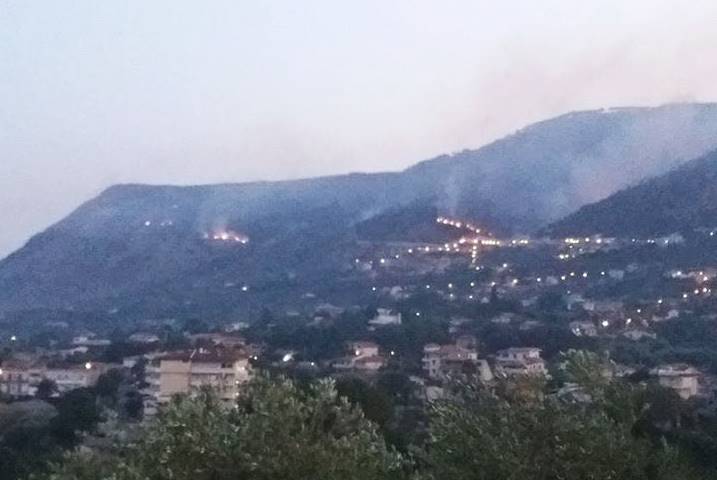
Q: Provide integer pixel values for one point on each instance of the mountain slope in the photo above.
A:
(154, 245)
(681, 200)
(550, 169)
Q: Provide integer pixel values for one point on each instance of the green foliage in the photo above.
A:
(25, 440)
(33, 432)
(482, 435)
(108, 385)
(396, 384)
(45, 389)
(77, 412)
(516, 431)
(277, 431)
(374, 402)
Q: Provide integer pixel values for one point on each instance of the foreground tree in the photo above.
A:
(277, 431)
(46, 389)
(511, 434)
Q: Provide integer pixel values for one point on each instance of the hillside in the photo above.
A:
(679, 201)
(154, 247)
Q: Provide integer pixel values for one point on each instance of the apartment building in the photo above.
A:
(520, 361)
(185, 372)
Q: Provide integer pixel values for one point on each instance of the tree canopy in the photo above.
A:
(276, 431)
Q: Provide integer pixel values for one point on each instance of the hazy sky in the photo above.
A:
(98, 92)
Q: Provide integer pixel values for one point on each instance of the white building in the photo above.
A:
(385, 317)
(583, 328)
(637, 334)
(681, 378)
(145, 338)
(20, 379)
(90, 340)
(444, 361)
(504, 318)
(363, 356)
(75, 376)
(520, 361)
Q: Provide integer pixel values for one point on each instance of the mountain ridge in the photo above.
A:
(679, 201)
(135, 238)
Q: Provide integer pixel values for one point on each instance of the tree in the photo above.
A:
(77, 411)
(134, 405)
(276, 431)
(46, 389)
(551, 302)
(479, 435)
(396, 384)
(108, 385)
(25, 441)
(374, 402)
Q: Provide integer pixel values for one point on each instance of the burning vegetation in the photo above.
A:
(226, 236)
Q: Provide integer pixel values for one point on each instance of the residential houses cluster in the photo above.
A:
(21, 377)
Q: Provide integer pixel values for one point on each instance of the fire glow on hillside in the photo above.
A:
(227, 236)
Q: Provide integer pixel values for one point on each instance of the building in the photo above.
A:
(575, 300)
(398, 293)
(385, 317)
(504, 318)
(75, 376)
(363, 349)
(520, 361)
(681, 378)
(456, 324)
(363, 356)
(445, 361)
(90, 340)
(583, 328)
(468, 342)
(217, 340)
(666, 314)
(236, 327)
(185, 372)
(616, 274)
(144, 338)
(328, 310)
(530, 325)
(637, 334)
(19, 378)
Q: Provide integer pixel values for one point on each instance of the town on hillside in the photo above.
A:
(416, 318)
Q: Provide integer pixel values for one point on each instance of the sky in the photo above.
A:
(185, 92)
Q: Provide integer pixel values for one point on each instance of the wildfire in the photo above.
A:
(227, 236)
(458, 224)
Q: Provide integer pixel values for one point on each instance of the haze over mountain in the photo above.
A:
(155, 245)
(681, 200)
